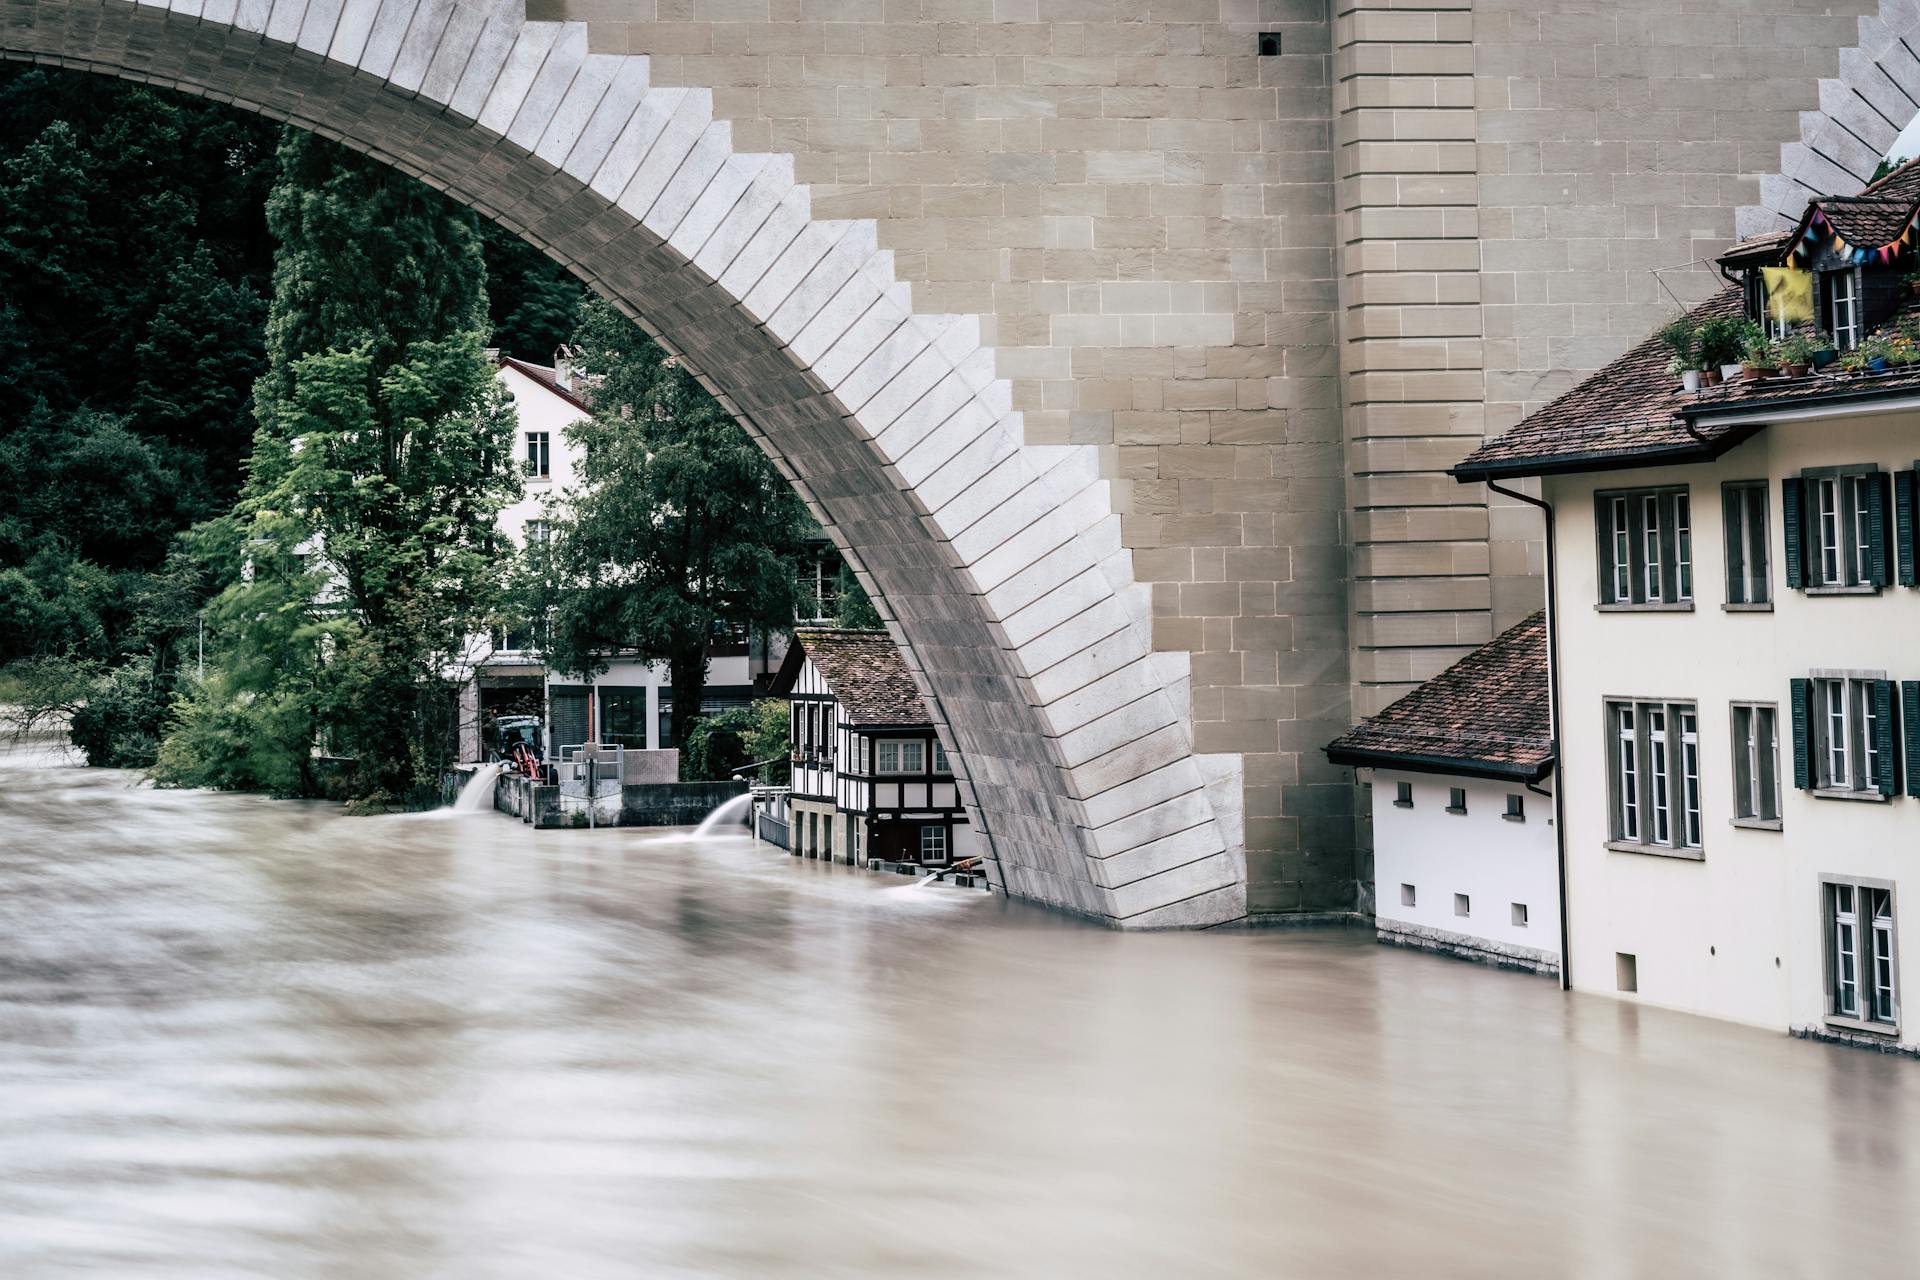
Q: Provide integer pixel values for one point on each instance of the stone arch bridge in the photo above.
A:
(1120, 344)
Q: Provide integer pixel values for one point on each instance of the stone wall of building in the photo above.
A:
(1140, 205)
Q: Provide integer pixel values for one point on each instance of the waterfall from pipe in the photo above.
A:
(477, 795)
(732, 813)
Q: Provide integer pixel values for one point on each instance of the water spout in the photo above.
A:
(732, 813)
(477, 795)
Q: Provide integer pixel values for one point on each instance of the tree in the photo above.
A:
(855, 610)
(739, 736)
(681, 530)
(362, 550)
(534, 302)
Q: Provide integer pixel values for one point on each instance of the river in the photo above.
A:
(249, 1038)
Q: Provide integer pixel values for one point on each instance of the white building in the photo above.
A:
(631, 703)
(870, 776)
(1464, 857)
(1732, 576)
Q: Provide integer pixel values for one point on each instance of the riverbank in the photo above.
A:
(244, 1037)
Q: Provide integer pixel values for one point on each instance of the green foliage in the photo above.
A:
(359, 557)
(1722, 341)
(739, 736)
(1681, 338)
(856, 611)
(120, 722)
(534, 302)
(680, 531)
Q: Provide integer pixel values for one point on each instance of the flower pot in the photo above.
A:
(1690, 380)
(1797, 370)
(1821, 359)
(1878, 364)
(1709, 377)
(1752, 372)
(1728, 372)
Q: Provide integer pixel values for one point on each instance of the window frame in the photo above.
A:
(1845, 337)
(1749, 758)
(538, 463)
(1403, 795)
(945, 850)
(1847, 698)
(1655, 792)
(1652, 527)
(900, 750)
(1875, 950)
(1836, 513)
(1741, 529)
(1457, 801)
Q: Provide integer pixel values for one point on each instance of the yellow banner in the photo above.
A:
(1789, 294)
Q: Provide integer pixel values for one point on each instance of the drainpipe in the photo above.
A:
(1553, 714)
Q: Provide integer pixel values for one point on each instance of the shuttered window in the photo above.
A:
(1645, 541)
(1838, 523)
(1653, 759)
(1845, 734)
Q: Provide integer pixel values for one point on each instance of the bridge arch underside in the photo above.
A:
(998, 565)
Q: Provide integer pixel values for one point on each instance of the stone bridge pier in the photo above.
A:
(1121, 345)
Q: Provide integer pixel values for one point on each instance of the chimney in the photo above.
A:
(563, 367)
(493, 355)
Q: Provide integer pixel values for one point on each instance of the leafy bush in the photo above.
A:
(719, 744)
(125, 713)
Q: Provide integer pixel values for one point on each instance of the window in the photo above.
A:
(539, 534)
(1743, 505)
(1756, 763)
(1646, 547)
(1836, 528)
(1861, 984)
(1654, 774)
(1403, 795)
(1462, 905)
(1456, 799)
(940, 764)
(901, 757)
(817, 592)
(539, 455)
(1846, 722)
(933, 844)
(1843, 307)
(1519, 915)
(1407, 895)
(866, 755)
(623, 717)
(1516, 808)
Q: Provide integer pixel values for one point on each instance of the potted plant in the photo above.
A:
(1756, 353)
(1824, 352)
(1796, 353)
(1681, 338)
(1878, 352)
(1912, 281)
(1854, 361)
(1721, 343)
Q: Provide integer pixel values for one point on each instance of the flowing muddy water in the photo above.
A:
(249, 1038)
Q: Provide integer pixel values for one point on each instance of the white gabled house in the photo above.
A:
(1464, 858)
(631, 703)
(870, 777)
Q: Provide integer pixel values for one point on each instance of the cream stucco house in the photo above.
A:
(1732, 580)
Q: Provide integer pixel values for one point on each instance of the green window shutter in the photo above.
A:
(1910, 721)
(1903, 526)
(1802, 765)
(1792, 528)
(1883, 735)
(1876, 565)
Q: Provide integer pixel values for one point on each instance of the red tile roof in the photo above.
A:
(547, 378)
(1625, 411)
(1485, 716)
(864, 671)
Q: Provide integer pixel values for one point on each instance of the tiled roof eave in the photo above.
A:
(1613, 459)
(1463, 765)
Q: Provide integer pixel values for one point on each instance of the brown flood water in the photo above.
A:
(248, 1038)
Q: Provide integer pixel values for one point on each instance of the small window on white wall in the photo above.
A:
(1403, 795)
(1456, 799)
(1516, 808)
(1462, 905)
(1407, 896)
(1519, 915)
